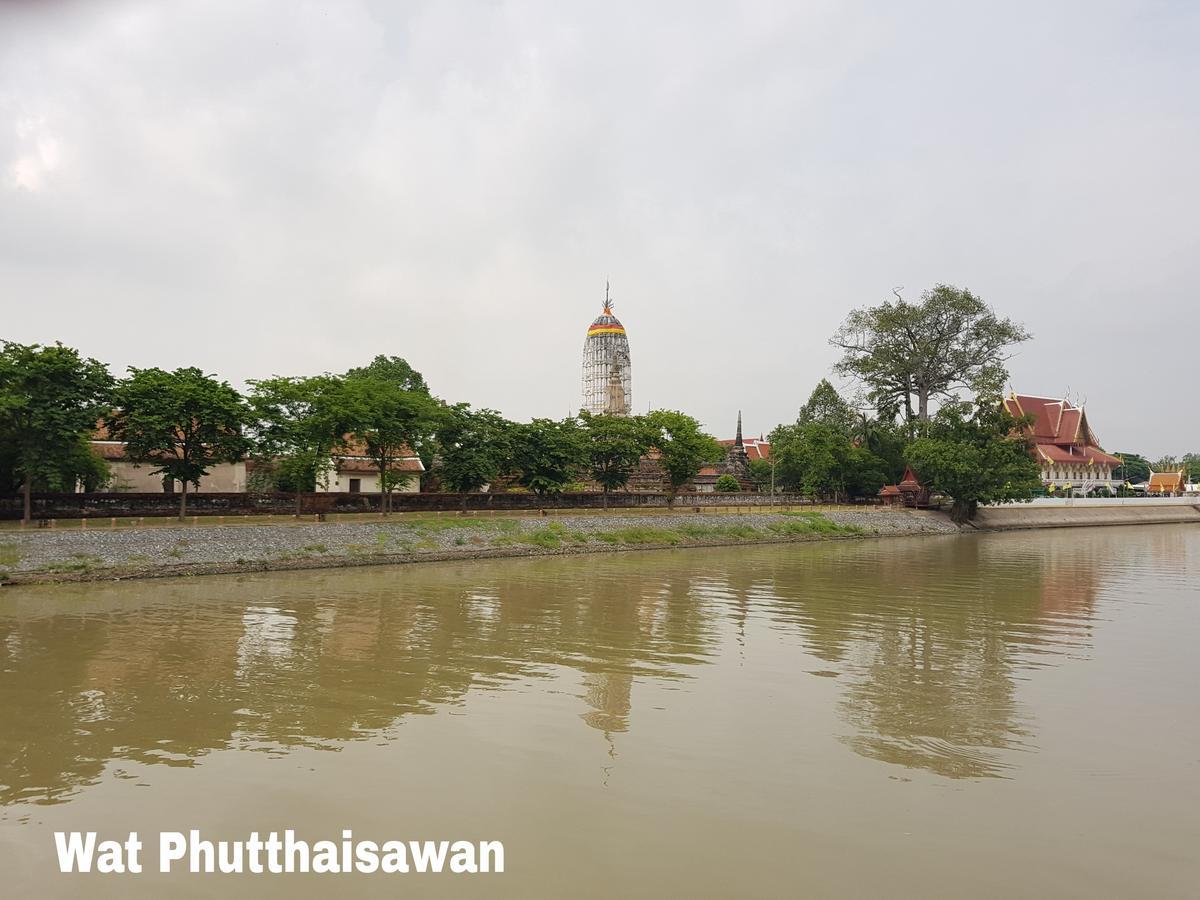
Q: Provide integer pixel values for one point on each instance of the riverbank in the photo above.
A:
(97, 554)
(1019, 516)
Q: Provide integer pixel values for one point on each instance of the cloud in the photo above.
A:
(260, 187)
(38, 155)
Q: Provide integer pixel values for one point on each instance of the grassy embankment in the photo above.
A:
(554, 536)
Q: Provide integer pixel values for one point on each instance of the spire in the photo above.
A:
(737, 441)
(607, 301)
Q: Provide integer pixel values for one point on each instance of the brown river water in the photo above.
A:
(981, 716)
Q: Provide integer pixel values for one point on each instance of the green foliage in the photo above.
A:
(1133, 468)
(905, 352)
(392, 369)
(474, 448)
(818, 460)
(975, 456)
(886, 440)
(825, 406)
(760, 474)
(549, 455)
(1191, 464)
(50, 401)
(864, 473)
(683, 448)
(615, 446)
(388, 410)
(183, 422)
(298, 423)
(727, 484)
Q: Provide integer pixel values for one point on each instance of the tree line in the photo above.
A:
(183, 422)
(911, 364)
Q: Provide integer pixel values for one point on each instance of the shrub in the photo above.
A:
(727, 484)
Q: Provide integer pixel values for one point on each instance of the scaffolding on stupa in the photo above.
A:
(607, 373)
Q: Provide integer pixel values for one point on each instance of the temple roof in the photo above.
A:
(1165, 482)
(606, 323)
(1059, 430)
(754, 447)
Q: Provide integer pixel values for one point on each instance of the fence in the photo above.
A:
(74, 506)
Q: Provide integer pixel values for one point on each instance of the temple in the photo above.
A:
(1064, 444)
(607, 375)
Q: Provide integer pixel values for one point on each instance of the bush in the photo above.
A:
(727, 484)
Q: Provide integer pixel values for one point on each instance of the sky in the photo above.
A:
(260, 188)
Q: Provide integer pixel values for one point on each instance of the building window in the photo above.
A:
(355, 485)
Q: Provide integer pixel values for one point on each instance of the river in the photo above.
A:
(984, 716)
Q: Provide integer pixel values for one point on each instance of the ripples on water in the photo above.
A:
(923, 643)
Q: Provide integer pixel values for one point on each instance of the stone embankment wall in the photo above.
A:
(75, 506)
(1148, 511)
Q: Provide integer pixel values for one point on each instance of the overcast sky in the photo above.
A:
(262, 188)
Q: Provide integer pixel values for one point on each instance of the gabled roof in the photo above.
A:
(755, 448)
(1165, 482)
(1059, 430)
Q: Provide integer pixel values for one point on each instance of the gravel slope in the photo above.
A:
(130, 552)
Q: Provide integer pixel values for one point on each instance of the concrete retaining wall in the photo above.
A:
(1027, 515)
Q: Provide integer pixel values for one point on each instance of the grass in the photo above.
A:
(428, 526)
(10, 554)
(554, 536)
(78, 563)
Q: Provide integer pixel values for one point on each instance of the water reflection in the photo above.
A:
(929, 640)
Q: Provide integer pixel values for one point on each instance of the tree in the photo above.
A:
(885, 440)
(905, 352)
(50, 401)
(864, 472)
(549, 455)
(819, 460)
(390, 412)
(762, 473)
(397, 370)
(184, 422)
(1191, 464)
(826, 406)
(975, 456)
(616, 445)
(298, 422)
(683, 448)
(727, 484)
(1133, 468)
(810, 458)
(474, 448)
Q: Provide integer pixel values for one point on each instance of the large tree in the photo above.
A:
(50, 401)
(908, 354)
(826, 406)
(474, 448)
(616, 445)
(975, 455)
(549, 455)
(298, 422)
(683, 448)
(1133, 468)
(183, 422)
(397, 371)
(817, 459)
(391, 414)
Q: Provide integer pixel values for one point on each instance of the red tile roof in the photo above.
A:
(755, 448)
(1059, 430)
